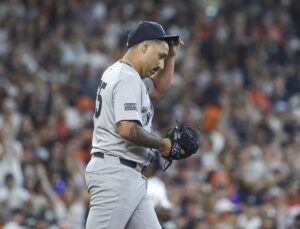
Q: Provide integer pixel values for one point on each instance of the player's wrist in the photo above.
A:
(171, 56)
(166, 147)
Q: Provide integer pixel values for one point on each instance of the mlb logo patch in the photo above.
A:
(144, 110)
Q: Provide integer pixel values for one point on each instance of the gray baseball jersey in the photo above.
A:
(121, 95)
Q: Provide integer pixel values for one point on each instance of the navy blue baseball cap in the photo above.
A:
(148, 30)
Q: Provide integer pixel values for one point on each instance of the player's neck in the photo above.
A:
(124, 61)
(132, 62)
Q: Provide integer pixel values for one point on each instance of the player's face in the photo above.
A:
(155, 56)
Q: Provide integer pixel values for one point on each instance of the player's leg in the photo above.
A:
(103, 194)
(115, 191)
(144, 216)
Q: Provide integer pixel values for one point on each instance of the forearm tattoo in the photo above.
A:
(141, 137)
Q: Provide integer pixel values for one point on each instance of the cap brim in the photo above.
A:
(170, 38)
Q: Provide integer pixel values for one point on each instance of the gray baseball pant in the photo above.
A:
(118, 196)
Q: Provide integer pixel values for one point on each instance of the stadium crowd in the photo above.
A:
(237, 78)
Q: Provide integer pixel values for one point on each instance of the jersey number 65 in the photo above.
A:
(99, 99)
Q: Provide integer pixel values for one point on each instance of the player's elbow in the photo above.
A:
(121, 130)
(123, 133)
(124, 127)
(155, 94)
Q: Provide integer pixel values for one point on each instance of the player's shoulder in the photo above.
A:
(112, 69)
(120, 71)
(128, 74)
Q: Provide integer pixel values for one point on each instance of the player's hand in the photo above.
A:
(174, 47)
(166, 148)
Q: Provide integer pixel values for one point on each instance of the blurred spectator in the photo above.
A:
(13, 196)
(250, 218)
(16, 220)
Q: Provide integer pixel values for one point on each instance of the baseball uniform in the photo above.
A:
(117, 187)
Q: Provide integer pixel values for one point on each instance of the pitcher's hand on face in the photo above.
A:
(174, 47)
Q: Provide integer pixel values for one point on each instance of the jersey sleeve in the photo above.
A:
(127, 97)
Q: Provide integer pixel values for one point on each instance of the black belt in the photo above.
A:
(123, 161)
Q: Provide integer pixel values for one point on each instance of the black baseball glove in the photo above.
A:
(185, 138)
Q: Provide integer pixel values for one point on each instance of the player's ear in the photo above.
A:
(144, 46)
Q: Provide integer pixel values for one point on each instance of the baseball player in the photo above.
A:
(122, 130)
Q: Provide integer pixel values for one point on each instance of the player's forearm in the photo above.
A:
(163, 79)
(134, 133)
